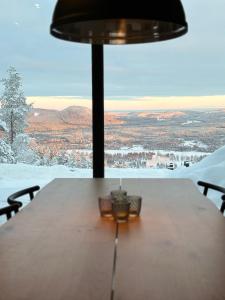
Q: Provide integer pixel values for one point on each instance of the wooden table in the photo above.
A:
(177, 249)
(58, 248)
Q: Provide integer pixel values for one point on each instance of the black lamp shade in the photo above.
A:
(118, 21)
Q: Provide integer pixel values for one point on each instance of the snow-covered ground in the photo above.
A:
(19, 176)
(210, 169)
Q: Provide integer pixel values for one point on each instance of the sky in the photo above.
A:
(193, 65)
(134, 103)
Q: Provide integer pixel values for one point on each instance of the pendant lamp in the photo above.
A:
(118, 22)
(114, 22)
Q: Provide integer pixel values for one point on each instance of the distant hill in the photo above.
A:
(161, 115)
(40, 120)
(49, 119)
(170, 130)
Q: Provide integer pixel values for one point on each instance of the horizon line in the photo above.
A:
(133, 104)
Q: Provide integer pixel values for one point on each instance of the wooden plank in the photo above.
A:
(177, 248)
(58, 247)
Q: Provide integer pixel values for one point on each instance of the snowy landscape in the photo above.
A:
(38, 145)
(15, 177)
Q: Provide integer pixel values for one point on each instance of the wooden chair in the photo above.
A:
(29, 191)
(214, 187)
(8, 210)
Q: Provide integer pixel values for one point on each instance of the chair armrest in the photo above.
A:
(211, 186)
(30, 191)
(8, 210)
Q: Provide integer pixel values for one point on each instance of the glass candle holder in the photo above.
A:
(105, 206)
(121, 211)
(135, 205)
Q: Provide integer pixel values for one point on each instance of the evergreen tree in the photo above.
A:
(14, 108)
(22, 151)
(6, 154)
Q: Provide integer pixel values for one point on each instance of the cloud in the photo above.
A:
(37, 5)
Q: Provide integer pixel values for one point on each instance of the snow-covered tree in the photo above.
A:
(2, 123)
(6, 154)
(22, 151)
(14, 108)
(63, 158)
(3, 126)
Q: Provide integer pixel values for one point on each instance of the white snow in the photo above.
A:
(3, 125)
(15, 177)
(190, 122)
(181, 153)
(194, 143)
(210, 169)
(141, 149)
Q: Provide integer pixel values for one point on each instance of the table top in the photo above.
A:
(59, 248)
(177, 249)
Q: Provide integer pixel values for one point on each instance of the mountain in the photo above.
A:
(49, 119)
(76, 115)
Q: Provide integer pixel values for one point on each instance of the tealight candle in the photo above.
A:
(121, 211)
(135, 205)
(105, 206)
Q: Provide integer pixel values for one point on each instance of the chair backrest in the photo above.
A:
(214, 187)
(8, 210)
(29, 191)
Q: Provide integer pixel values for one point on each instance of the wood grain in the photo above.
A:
(176, 251)
(58, 247)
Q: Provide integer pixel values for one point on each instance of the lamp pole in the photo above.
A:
(98, 110)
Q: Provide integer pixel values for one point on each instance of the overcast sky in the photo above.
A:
(191, 65)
